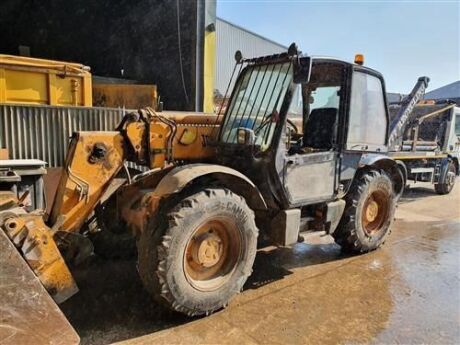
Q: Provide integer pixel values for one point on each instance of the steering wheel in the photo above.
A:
(292, 124)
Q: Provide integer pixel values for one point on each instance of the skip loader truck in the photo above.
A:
(425, 141)
(301, 147)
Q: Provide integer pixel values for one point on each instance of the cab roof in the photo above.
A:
(334, 59)
(275, 58)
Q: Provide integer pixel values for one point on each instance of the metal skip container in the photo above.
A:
(25, 80)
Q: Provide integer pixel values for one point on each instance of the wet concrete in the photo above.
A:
(406, 292)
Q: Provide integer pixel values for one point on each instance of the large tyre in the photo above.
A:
(402, 170)
(447, 179)
(368, 214)
(197, 257)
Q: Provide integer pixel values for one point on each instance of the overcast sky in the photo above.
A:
(401, 39)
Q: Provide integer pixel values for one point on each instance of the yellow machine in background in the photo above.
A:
(33, 81)
(25, 80)
(128, 96)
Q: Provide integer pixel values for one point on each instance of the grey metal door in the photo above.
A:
(310, 177)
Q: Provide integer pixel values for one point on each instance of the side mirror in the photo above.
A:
(246, 136)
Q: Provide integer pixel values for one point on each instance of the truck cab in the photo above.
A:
(302, 127)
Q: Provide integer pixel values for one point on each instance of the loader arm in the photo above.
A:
(93, 160)
(145, 137)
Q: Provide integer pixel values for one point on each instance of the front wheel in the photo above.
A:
(447, 180)
(199, 256)
(368, 215)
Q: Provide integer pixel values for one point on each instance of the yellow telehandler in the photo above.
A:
(302, 147)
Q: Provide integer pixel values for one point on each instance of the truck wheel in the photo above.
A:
(403, 171)
(197, 257)
(447, 179)
(368, 215)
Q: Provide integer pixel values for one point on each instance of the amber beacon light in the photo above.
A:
(359, 59)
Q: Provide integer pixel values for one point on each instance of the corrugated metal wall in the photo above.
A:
(231, 38)
(43, 132)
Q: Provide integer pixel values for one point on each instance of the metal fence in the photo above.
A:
(43, 132)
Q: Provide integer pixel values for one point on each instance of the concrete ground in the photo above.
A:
(406, 292)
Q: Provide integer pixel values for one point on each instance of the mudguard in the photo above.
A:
(389, 165)
(369, 159)
(178, 178)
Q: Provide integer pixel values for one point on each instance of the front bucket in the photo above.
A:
(28, 313)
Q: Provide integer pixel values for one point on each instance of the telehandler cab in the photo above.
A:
(302, 147)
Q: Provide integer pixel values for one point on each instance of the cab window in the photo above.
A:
(325, 97)
(368, 121)
(256, 102)
(315, 110)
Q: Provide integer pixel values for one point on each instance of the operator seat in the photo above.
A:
(320, 129)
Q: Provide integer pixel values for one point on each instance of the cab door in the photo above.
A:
(310, 170)
(311, 177)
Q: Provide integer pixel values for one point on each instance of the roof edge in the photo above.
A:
(252, 32)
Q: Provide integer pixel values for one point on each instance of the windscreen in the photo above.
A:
(256, 102)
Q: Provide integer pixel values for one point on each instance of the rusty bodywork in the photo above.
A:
(139, 201)
(146, 138)
(35, 240)
(29, 315)
(92, 162)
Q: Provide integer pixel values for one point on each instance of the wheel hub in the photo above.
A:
(372, 211)
(209, 250)
(212, 253)
(375, 212)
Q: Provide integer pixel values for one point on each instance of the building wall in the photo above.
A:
(43, 132)
(231, 38)
(138, 37)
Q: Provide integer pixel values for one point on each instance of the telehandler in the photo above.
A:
(302, 147)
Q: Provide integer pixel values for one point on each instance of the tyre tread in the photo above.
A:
(157, 284)
(346, 234)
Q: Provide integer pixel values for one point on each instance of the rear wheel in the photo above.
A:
(368, 214)
(447, 181)
(199, 256)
